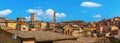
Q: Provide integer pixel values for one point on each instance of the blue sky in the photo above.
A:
(85, 10)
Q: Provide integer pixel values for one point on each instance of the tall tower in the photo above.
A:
(54, 17)
(33, 17)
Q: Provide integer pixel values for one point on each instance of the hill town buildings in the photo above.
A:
(20, 30)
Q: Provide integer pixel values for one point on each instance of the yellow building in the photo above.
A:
(43, 25)
(12, 24)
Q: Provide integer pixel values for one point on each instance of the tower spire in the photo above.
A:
(54, 17)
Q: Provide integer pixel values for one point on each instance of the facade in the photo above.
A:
(43, 26)
(33, 17)
(75, 31)
(7, 23)
(24, 28)
(11, 23)
(114, 28)
(34, 26)
(21, 19)
(3, 22)
(50, 25)
(22, 25)
(119, 32)
(67, 30)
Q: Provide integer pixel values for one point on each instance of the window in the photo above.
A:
(29, 29)
(32, 25)
(24, 28)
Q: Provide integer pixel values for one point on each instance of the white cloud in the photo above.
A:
(90, 4)
(38, 12)
(50, 12)
(97, 16)
(5, 12)
(28, 18)
(60, 15)
(47, 14)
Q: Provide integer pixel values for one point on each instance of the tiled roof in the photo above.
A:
(41, 35)
(90, 39)
(68, 41)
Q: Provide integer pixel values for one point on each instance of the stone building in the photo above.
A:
(3, 22)
(34, 26)
(43, 26)
(32, 17)
(11, 23)
(68, 30)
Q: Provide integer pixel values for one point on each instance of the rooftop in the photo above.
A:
(40, 35)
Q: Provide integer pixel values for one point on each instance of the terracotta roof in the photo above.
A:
(68, 41)
(90, 39)
(41, 35)
(11, 21)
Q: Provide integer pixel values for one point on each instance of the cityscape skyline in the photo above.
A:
(59, 21)
(66, 10)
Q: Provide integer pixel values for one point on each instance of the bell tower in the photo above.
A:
(54, 17)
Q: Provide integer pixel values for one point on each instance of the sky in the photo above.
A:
(66, 10)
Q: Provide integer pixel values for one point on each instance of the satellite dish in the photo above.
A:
(14, 36)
